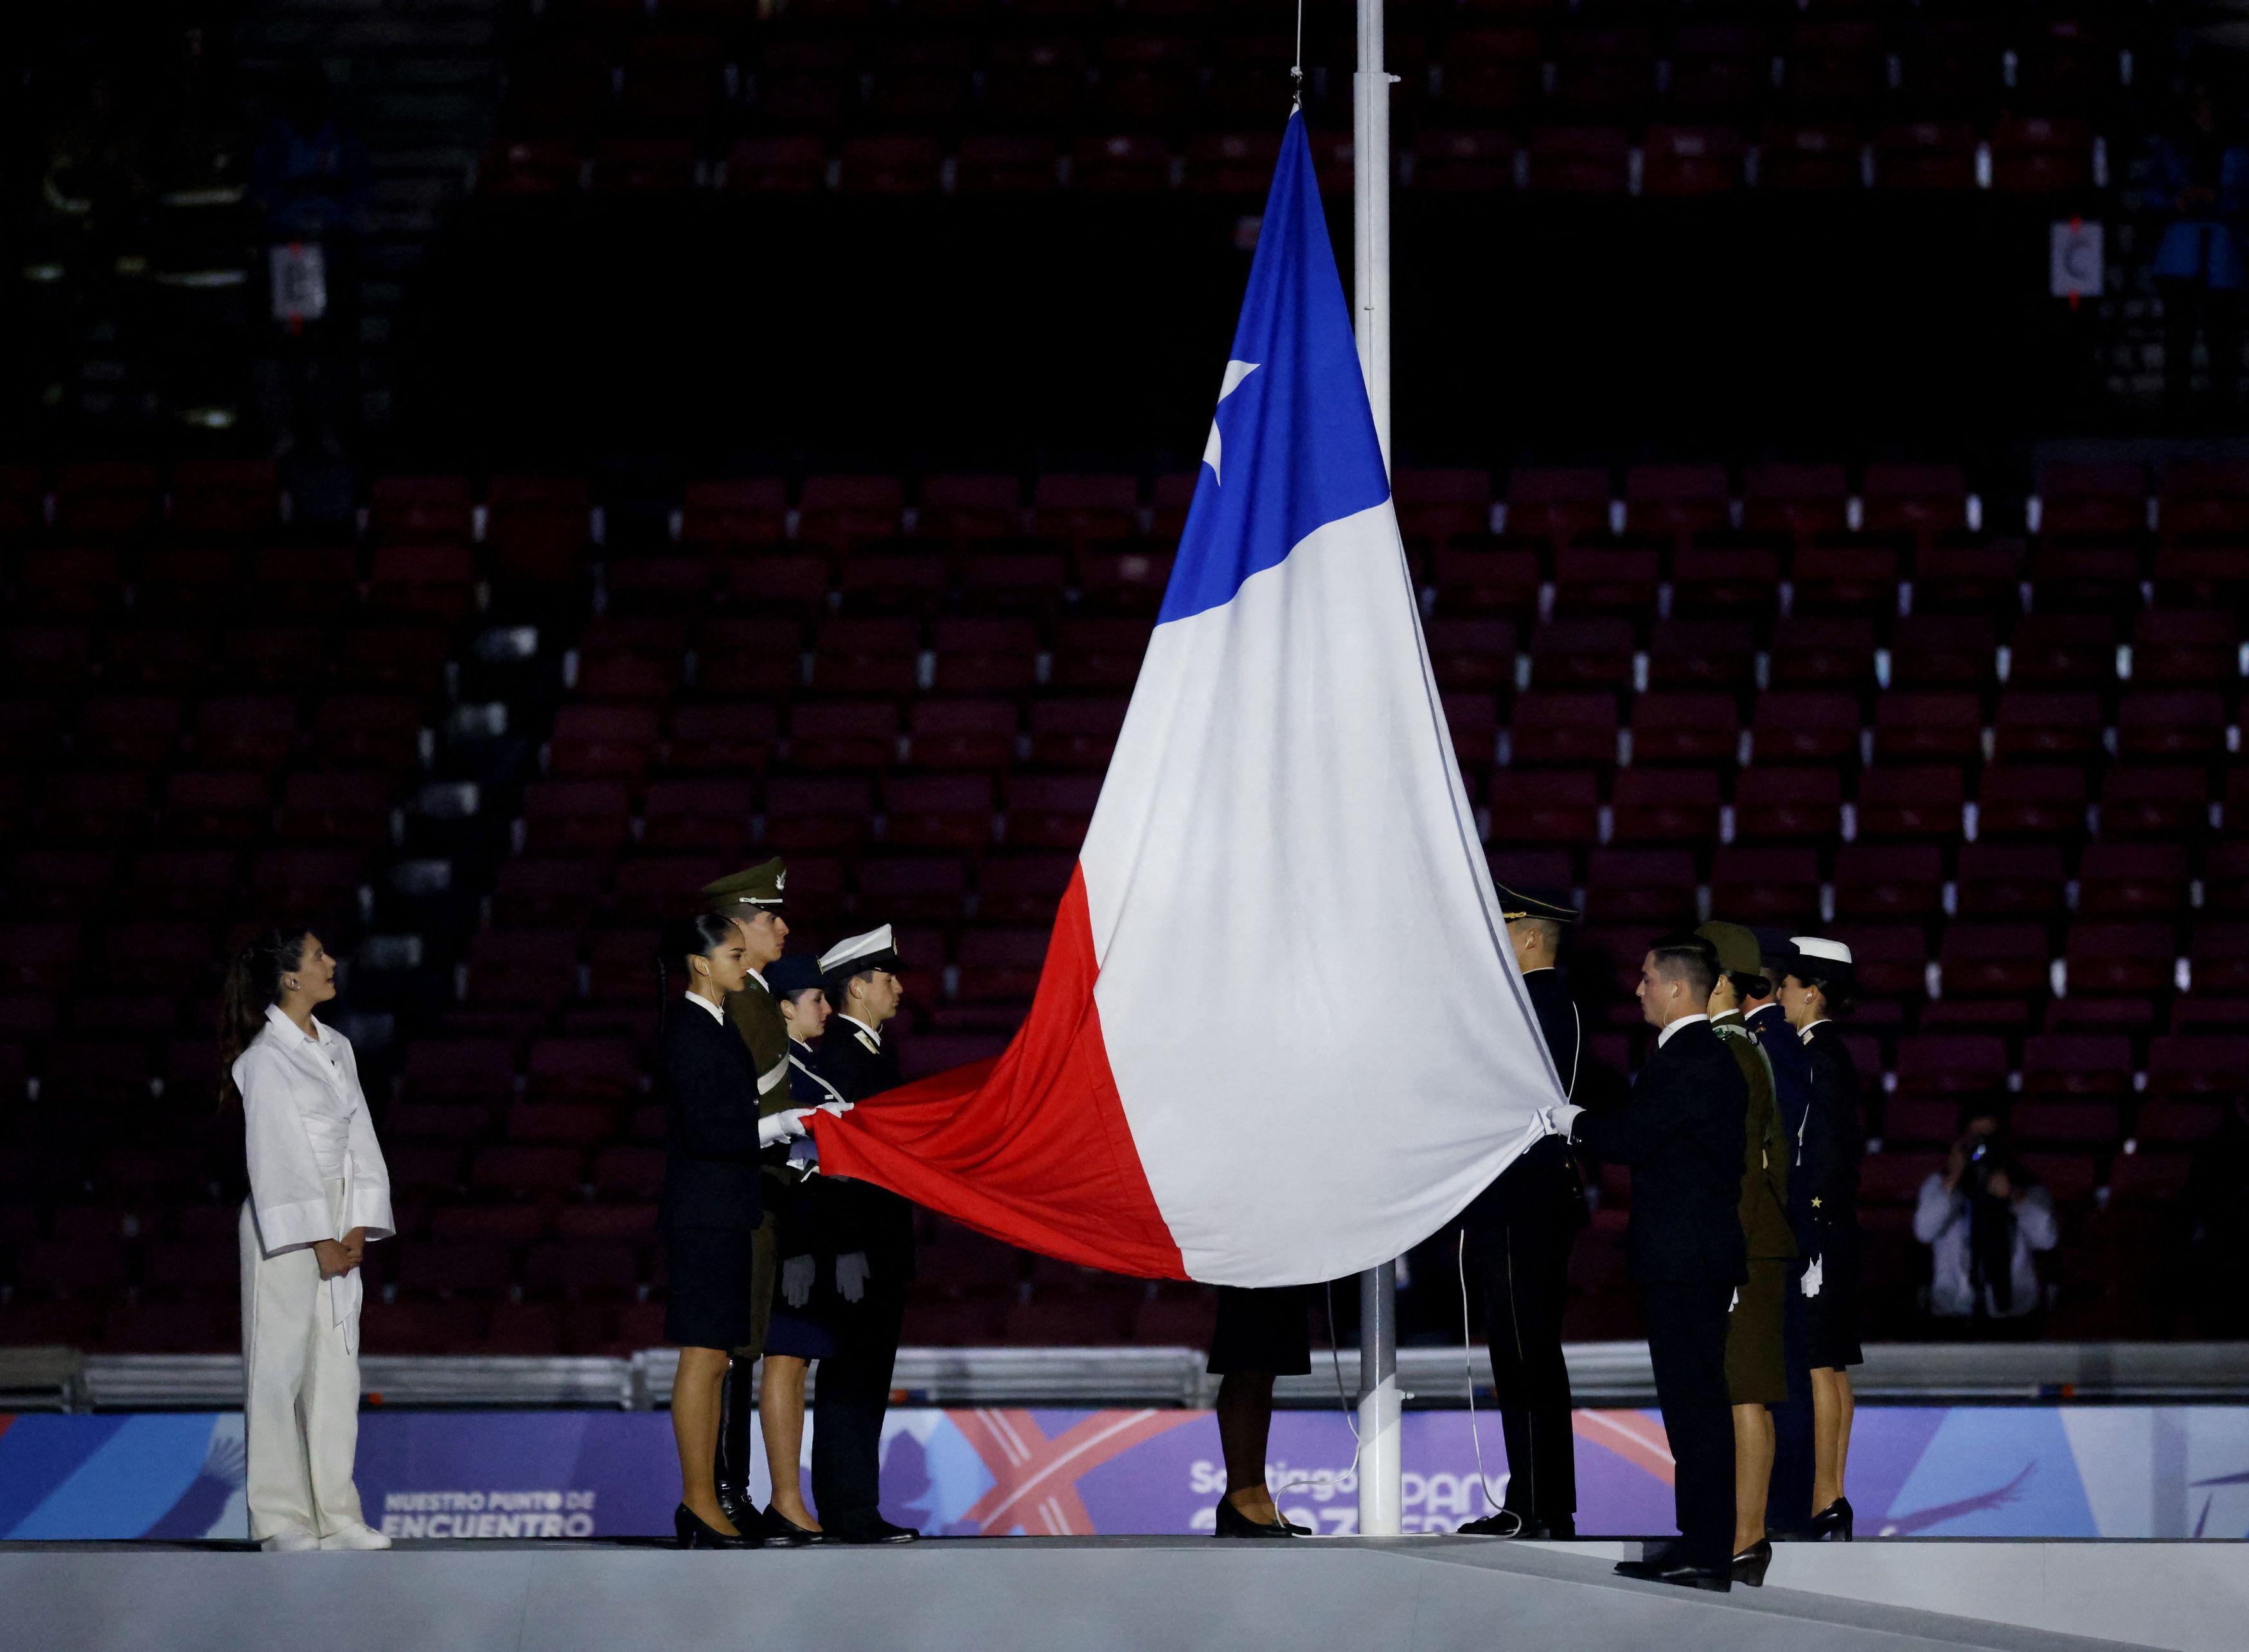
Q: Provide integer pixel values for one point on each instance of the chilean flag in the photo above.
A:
(1279, 1036)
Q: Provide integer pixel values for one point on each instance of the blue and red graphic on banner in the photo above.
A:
(2018, 1471)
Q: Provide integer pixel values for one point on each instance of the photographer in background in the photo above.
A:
(1984, 1224)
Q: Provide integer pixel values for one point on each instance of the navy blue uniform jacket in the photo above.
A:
(709, 1091)
(1681, 1132)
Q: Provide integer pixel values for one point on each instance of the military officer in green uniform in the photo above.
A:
(1756, 1373)
(752, 900)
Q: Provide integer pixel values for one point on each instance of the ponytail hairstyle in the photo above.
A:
(683, 938)
(251, 986)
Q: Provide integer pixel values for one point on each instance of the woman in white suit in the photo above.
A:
(319, 1191)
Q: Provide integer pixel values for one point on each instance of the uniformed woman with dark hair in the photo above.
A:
(802, 1326)
(712, 1203)
(1818, 985)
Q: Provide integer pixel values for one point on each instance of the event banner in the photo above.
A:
(1984, 1471)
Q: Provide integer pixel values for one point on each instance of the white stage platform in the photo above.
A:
(1067, 1593)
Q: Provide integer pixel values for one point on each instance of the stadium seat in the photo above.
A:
(1765, 885)
(1664, 806)
(1887, 882)
(2172, 726)
(1654, 888)
(1548, 808)
(2196, 1065)
(1787, 805)
(1684, 728)
(1583, 653)
(1824, 652)
(938, 812)
(1577, 730)
(1804, 726)
(2119, 959)
(2004, 880)
(1048, 811)
(1701, 653)
(1922, 801)
(1928, 727)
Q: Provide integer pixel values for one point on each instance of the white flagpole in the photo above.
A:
(1381, 1474)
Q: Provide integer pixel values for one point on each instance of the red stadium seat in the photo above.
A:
(1050, 811)
(2011, 880)
(1652, 887)
(1075, 733)
(1665, 806)
(1583, 653)
(729, 737)
(1548, 808)
(858, 735)
(2107, 960)
(708, 814)
(1800, 501)
(1824, 652)
(2171, 727)
(2132, 880)
(2197, 1066)
(940, 811)
(1472, 655)
(1787, 805)
(1804, 727)
(978, 735)
(2196, 648)
(1709, 653)
(964, 509)
(1569, 729)
(1684, 728)
(1913, 728)
(1993, 960)
(2037, 726)
(1765, 885)
(2076, 1066)
(1861, 580)
(1887, 882)
(1692, 160)
(1590, 580)
(1922, 801)
(814, 814)
(1487, 583)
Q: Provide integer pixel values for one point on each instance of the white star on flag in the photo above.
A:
(1235, 372)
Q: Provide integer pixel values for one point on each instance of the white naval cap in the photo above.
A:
(1833, 952)
(874, 950)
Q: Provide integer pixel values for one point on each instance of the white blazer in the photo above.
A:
(280, 1077)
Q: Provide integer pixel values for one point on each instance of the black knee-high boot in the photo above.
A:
(736, 1416)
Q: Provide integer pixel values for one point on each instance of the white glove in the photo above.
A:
(851, 1275)
(1811, 1278)
(781, 1126)
(1560, 1119)
(796, 1281)
(836, 1109)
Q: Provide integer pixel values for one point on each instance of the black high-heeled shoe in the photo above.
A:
(1833, 1523)
(1232, 1523)
(1749, 1565)
(694, 1533)
(782, 1533)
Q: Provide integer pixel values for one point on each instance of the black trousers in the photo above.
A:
(1687, 1343)
(1788, 1498)
(1521, 1263)
(849, 1400)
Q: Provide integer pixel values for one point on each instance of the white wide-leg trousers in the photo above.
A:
(301, 1412)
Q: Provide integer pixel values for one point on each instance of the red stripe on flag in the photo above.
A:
(1032, 1147)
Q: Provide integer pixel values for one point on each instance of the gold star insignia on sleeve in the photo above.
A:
(1815, 1201)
